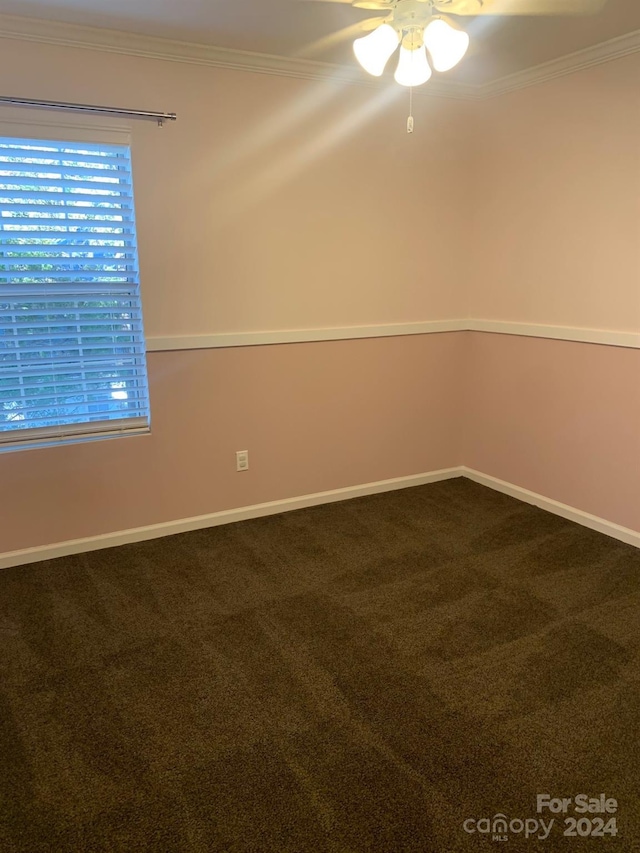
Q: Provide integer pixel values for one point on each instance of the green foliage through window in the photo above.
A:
(71, 336)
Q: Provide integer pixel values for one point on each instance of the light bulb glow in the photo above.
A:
(413, 68)
(445, 44)
(373, 51)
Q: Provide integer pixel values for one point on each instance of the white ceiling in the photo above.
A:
(500, 46)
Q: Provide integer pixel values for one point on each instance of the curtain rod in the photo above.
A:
(89, 108)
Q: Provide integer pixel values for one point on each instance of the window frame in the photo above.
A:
(95, 131)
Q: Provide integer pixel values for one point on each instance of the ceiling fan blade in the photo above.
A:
(520, 7)
(376, 5)
(346, 33)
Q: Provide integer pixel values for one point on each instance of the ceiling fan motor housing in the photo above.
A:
(411, 14)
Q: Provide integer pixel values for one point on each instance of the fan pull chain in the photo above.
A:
(410, 119)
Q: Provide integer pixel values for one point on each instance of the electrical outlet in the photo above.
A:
(242, 460)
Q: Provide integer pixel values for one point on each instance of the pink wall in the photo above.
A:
(557, 228)
(315, 416)
(273, 203)
(558, 418)
(283, 204)
(557, 202)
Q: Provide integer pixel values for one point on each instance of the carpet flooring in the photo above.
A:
(373, 675)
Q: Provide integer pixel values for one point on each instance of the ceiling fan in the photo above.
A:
(429, 38)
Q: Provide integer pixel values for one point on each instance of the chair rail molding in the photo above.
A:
(605, 337)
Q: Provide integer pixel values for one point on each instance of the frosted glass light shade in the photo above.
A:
(445, 44)
(413, 68)
(373, 51)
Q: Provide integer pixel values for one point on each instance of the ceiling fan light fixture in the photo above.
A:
(374, 50)
(446, 45)
(413, 68)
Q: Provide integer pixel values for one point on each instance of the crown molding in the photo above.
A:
(49, 32)
(598, 54)
(151, 47)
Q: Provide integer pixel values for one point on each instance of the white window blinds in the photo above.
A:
(72, 355)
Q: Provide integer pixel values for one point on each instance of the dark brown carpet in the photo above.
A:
(362, 676)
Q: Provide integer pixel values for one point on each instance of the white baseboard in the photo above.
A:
(594, 522)
(184, 525)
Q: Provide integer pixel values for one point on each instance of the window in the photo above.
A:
(72, 355)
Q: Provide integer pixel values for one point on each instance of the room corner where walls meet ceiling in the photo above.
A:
(195, 51)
